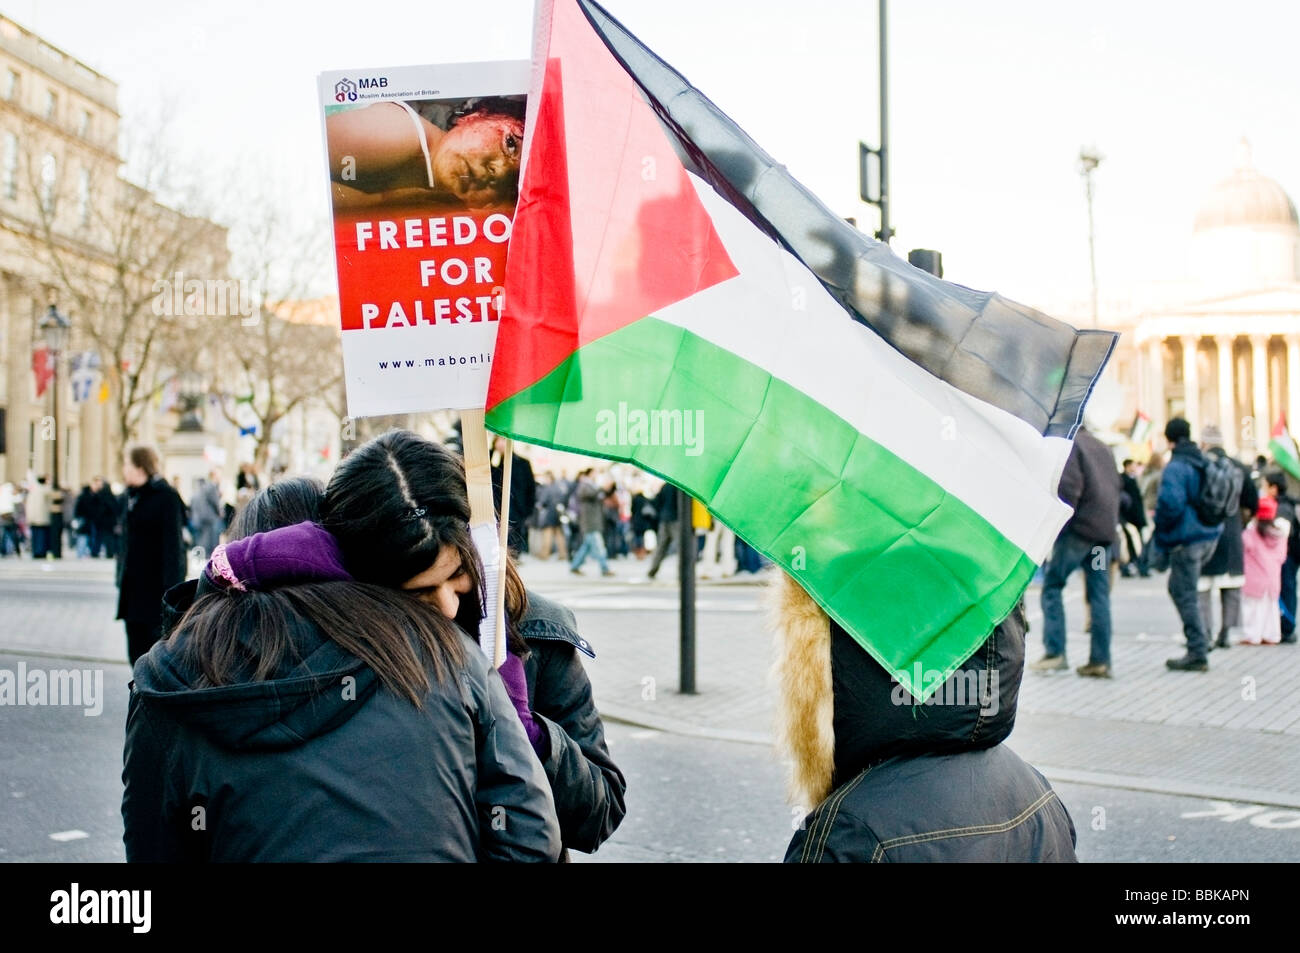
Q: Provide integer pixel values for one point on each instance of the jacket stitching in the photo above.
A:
(972, 831)
(834, 810)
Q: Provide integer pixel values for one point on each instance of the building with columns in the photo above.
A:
(62, 190)
(1226, 350)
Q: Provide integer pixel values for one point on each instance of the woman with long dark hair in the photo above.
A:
(298, 714)
(383, 504)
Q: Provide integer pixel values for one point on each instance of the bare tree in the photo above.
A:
(289, 353)
(113, 254)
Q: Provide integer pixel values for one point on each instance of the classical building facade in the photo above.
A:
(1224, 350)
(64, 210)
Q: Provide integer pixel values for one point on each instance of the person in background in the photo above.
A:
(1188, 542)
(591, 524)
(667, 532)
(1264, 544)
(247, 478)
(207, 514)
(615, 528)
(1276, 488)
(552, 517)
(38, 517)
(643, 519)
(1133, 519)
(523, 494)
(11, 540)
(1090, 485)
(82, 521)
(153, 549)
(1224, 569)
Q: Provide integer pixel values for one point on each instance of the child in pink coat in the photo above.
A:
(1264, 545)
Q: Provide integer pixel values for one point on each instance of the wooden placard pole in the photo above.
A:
(483, 526)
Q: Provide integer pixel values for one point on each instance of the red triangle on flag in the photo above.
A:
(608, 228)
(1279, 428)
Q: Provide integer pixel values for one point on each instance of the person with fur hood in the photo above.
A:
(899, 781)
(1263, 545)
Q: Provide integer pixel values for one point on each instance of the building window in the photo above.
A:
(83, 196)
(83, 127)
(15, 85)
(51, 104)
(11, 166)
(49, 176)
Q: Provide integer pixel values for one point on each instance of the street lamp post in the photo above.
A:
(56, 327)
(1089, 159)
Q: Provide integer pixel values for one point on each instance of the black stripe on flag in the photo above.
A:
(1006, 354)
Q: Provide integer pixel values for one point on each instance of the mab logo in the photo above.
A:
(346, 91)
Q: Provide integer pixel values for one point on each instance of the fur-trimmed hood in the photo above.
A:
(838, 711)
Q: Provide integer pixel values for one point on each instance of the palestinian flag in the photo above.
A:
(1282, 446)
(676, 300)
(1140, 429)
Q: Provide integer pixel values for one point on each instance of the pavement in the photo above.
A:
(1231, 734)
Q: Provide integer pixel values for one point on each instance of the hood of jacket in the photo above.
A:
(308, 696)
(839, 712)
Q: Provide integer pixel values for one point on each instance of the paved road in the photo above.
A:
(689, 799)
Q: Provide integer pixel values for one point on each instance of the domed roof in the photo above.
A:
(1246, 198)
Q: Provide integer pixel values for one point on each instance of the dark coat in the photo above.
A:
(153, 550)
(1131, 510)
(932, 782)
(299, 768)
(644, 515)
(84, 511)
(1090, 484)
(587, 786)
(1228, 556)
(1176, 523)
(523, 497)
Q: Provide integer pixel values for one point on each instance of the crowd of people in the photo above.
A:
(1214, 523)
(633, 517)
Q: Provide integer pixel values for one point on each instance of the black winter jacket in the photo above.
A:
(323, 763)
(587, 786)
(932, 782)
(153, 556)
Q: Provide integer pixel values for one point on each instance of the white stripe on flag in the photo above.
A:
(777, 315)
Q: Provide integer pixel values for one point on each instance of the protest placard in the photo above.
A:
(423, 172)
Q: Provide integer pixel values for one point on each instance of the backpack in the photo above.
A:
(1220, 490)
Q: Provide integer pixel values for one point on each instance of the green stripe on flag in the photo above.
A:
(1283, 450)
(880, 545)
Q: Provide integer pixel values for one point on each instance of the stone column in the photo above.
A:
(1259, 389)
(1191, 384)
(1292, 380)
(1228, 423)
(1155, 408)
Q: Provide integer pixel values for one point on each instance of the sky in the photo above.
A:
(989, 105)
